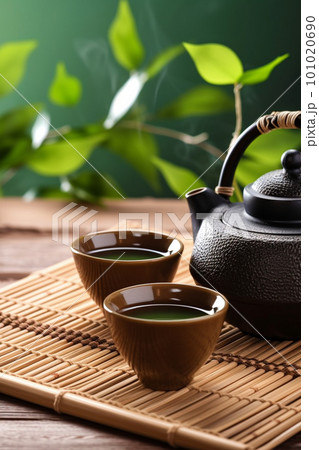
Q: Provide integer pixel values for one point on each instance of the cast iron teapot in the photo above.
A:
(250, 251)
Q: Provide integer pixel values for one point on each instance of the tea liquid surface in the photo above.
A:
(163, 312)
(126, 253)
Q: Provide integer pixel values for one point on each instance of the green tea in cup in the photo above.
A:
(126, 253)
(165, 311)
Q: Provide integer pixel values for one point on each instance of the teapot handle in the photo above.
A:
(265, 124)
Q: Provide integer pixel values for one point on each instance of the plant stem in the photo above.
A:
(58, 131)
(199, 141)
(238, 112)
(238, 191)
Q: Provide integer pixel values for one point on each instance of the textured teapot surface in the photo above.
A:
(250, 251)
(249, 267)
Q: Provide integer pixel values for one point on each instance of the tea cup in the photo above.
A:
(103, 275)
(165, 352)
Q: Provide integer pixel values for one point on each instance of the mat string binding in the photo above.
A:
(171, 434)
(58, 401)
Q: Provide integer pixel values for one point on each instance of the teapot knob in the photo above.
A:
(291, 162)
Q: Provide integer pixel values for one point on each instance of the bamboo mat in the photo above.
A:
(56, 350)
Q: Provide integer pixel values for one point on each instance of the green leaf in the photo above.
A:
(125, 42)
(137, 148)
(15, 142)
(90, 187)
(262, 73)
(16, 155)
(61, 157)
(17, 121)
(216, 64)
(162, 59)
(178, 178)
(199, 101)
(65, 90)
(264, 154)
(13, 60)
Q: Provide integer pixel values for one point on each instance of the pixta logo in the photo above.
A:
(68, 222)
(176, 225)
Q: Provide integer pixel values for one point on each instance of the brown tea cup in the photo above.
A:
(165, 354)
(101, 276)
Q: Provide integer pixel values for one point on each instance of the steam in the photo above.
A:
(157, 33)
(96, 57)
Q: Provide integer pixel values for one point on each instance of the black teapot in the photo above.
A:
(250, 251)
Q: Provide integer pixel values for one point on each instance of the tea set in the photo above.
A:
(245, 263)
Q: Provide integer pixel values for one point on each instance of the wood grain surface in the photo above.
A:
(26, 245)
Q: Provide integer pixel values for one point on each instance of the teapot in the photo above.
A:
(250, 251)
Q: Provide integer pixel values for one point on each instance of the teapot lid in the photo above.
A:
(276, 196)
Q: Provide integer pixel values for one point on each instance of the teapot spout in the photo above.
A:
(201, 202)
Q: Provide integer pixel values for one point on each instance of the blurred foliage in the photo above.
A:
(218, 64)
(28, 140)
(124, 39)
(179, 179)
(13, 59)
(199, 101)
(65, 90)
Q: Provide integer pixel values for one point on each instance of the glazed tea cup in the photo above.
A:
(165, 354)
(101, 276)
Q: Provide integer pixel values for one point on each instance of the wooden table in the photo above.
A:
(26, 245)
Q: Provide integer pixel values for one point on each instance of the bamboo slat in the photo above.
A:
(57, 351)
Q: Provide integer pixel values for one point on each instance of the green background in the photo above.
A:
(75, 32)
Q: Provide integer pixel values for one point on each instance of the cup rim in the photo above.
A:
(127, 262)
(178, 322)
